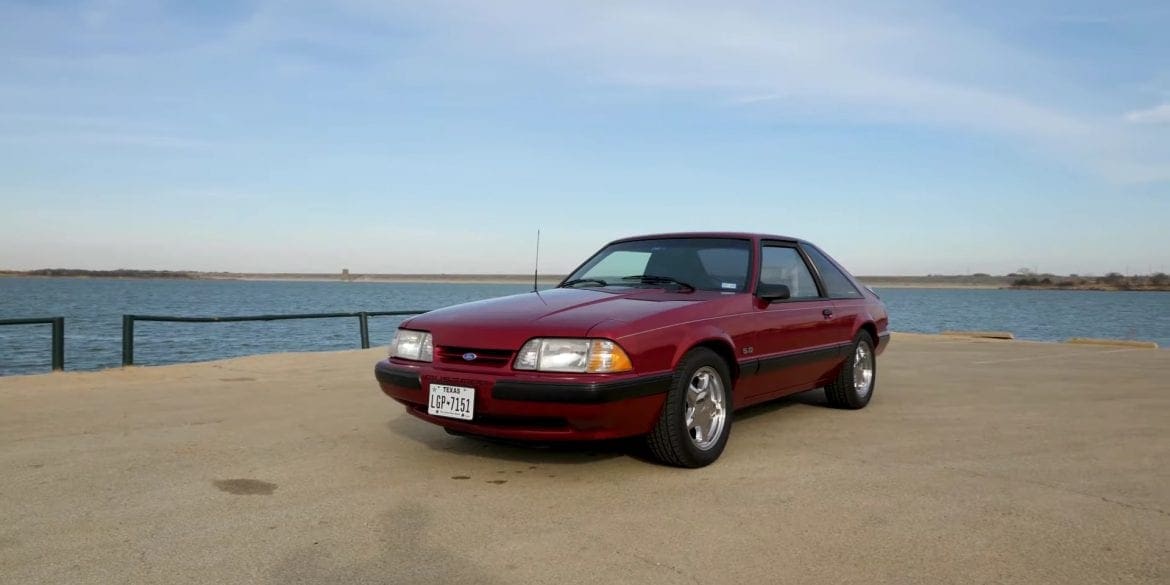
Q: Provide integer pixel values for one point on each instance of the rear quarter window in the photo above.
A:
(837, 285)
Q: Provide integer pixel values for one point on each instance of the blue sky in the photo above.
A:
(907, 138)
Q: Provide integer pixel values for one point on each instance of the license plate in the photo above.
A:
(451, 401)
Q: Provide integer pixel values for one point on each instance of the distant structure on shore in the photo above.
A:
(345, 277)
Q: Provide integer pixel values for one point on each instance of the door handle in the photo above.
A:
(827, 313)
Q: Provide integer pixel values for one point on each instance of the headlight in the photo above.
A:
(594, 356)
(412, 345)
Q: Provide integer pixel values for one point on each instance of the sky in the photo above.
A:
(437, 137)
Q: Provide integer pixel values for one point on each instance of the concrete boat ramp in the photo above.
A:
(977, 462)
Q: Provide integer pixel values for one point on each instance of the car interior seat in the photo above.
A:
(679, 263)
(795, 277)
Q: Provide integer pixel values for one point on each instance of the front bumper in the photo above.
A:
(534, 408)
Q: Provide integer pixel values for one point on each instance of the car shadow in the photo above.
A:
(575, 452)
(811, 398)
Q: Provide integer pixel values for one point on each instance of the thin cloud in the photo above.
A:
(844, 60)
(39, 128)
(1155, 115)
(145, 141)
(855, 59)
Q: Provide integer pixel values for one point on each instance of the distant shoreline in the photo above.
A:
(547, 279)
(394, 278)
(971, 282)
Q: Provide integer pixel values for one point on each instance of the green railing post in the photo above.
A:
(58, 344)
(364, 326)
(127, 340)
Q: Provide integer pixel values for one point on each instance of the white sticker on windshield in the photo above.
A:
(730, 285)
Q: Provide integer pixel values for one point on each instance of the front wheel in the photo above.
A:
(696, 419)
(854, 384)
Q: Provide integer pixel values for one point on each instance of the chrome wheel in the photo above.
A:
(706, 410)
(863, 370)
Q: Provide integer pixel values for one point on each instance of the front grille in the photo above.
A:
(488, 358)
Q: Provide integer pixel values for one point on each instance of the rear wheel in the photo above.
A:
(696, 419)
(854, 384)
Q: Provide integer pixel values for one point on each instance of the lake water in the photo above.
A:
(93, 310)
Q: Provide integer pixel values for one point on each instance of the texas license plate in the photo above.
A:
(451, 401)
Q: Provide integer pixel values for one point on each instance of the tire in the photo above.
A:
(700, 389)
(850, 389)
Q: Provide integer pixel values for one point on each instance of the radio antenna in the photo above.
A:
(536, 265)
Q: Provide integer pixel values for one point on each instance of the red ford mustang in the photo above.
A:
(658, 336)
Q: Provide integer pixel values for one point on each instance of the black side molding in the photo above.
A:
(769, 364)
(386, 373)
(583, 393)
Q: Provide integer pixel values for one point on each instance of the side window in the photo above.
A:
(781, 265)
(836, 283)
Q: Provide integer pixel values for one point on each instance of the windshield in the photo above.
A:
(686, 263)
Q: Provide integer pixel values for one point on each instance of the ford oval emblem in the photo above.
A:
(469, 356)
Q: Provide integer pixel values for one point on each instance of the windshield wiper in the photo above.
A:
(651, 279)
(576, 281)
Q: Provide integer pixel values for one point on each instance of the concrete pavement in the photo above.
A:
(977, 461)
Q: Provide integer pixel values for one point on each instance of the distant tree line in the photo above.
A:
(1111, 281)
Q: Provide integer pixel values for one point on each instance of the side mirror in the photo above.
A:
(773, 292)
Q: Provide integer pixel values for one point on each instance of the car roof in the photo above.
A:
(727, 235)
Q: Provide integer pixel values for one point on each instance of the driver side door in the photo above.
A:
(796, 339)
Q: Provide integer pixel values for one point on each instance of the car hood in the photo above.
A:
(507, 322)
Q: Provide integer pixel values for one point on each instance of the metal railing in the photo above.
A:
(363, 324)
(58, 324)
